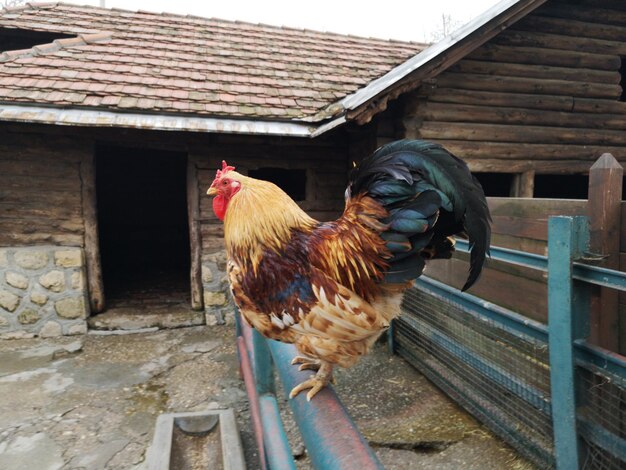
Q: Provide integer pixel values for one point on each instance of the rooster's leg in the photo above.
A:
(315, 383)
(306, 363)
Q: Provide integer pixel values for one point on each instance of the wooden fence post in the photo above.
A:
(604, 211)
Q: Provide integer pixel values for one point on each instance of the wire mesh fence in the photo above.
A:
(602, 414)
(502, 376)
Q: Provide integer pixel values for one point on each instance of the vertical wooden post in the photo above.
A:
(567, 321)
(523, 184)
(195, 243)
(604, 211)
(92, 241)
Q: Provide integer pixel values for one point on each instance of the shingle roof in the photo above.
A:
(170, 64)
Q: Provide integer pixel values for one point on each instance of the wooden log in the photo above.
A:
(529, 134)
(195, 242)
(604, 211)
(557, 41)
(570, 27)
(446, 112)
(583, 105)
(92, 242)
(550, 167)
(467, 81)
(523, 184)
(575, 74)
(604, 4)
(502, 99)
(592, 14)
(524, 151)
(546, 56)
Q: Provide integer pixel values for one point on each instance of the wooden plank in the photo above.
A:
(524, 296)
(447, 112)
(604, 211)
(546, 56)
(528, 134)
(479, 82)
(195, 241)
(521, 244)
(576, 74)
(40, 168)
(92, 242)
(12, 210)
(532, 208)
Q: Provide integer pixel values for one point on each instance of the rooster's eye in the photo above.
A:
(224, 182)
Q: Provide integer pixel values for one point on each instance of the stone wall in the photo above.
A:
(218, 304)
(42, 292)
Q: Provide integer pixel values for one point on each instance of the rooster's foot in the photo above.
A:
(316, 382)
(306, 363)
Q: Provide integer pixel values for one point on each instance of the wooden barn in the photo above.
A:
(112, 124)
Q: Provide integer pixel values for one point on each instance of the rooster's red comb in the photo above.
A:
(225, 169)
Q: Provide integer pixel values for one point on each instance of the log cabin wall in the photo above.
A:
(543, 96)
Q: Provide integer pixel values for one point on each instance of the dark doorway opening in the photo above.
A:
(293, 182)
(143, 226)
(561, 186)
(495, 184)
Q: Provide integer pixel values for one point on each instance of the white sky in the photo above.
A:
(388, 19)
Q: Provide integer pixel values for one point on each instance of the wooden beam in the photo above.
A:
(195, 240)
(523, 184)
(92, 243)
(604, 212)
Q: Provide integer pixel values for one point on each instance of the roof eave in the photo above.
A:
(101, 118)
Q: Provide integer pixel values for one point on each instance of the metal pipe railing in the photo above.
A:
(330, 436)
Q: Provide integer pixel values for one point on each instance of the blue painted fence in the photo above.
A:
(569, 286)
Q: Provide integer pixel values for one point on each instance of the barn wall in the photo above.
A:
(42, 265)
(543, 96)
(40, 189)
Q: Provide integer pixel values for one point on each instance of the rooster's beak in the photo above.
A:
(212, 191)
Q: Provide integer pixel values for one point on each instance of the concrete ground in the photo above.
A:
(92, 402)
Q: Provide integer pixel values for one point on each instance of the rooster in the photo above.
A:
(332, 288)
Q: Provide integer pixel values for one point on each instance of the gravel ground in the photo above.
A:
(92, 403)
